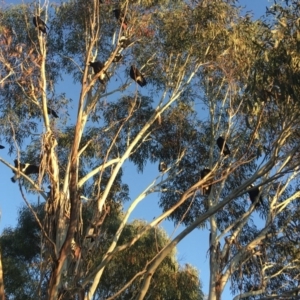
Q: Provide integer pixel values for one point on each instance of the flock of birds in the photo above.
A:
(137, 76)
(254, 193)
(98, 66)
(124, 42)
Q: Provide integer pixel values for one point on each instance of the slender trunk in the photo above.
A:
(213, 260)
(212, 279)
(215, 281)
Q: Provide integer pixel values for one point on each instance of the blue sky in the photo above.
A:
(193, 249)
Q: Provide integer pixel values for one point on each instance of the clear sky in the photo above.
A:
(193, 249)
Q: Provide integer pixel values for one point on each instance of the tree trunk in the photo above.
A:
(214, 260)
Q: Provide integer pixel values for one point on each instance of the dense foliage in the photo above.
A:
(155, 81)
(22, 252)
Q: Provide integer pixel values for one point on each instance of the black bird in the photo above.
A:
(27, 169)
(124, 42)
(120, 17)
(137, 76)
(223, 146)
(162, 167)
(52, 112)
(50, 191)
(117, 58)
(254, 195)
(2, 147)
(206, 190)
(97, 67)
(38, 22)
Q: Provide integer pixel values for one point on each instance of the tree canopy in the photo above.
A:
(196, 85)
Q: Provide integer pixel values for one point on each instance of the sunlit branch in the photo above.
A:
(96, 170)
(100, 269)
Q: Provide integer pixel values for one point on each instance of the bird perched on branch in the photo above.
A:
(121, 17)
(52, 112)
(137, 76)
(117, 58)
(206, 190)
(223, 146)
(162, 167)
(97, 67)
(255, 196)
(27, 169)
(40, 24)
(2, 147)
(124, 42)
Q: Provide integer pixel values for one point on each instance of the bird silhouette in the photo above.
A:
(206, 190)
(40, 24)
(52, 112)
(254, 196)
(223, 146)
(162, 167)
(97, 67)
(137, 76)
(121, 17)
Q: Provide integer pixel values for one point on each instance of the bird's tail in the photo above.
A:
(14, 178)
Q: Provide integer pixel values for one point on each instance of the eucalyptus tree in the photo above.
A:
(276, 258)
(83, 162)
(251, 97)
(189, 54)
